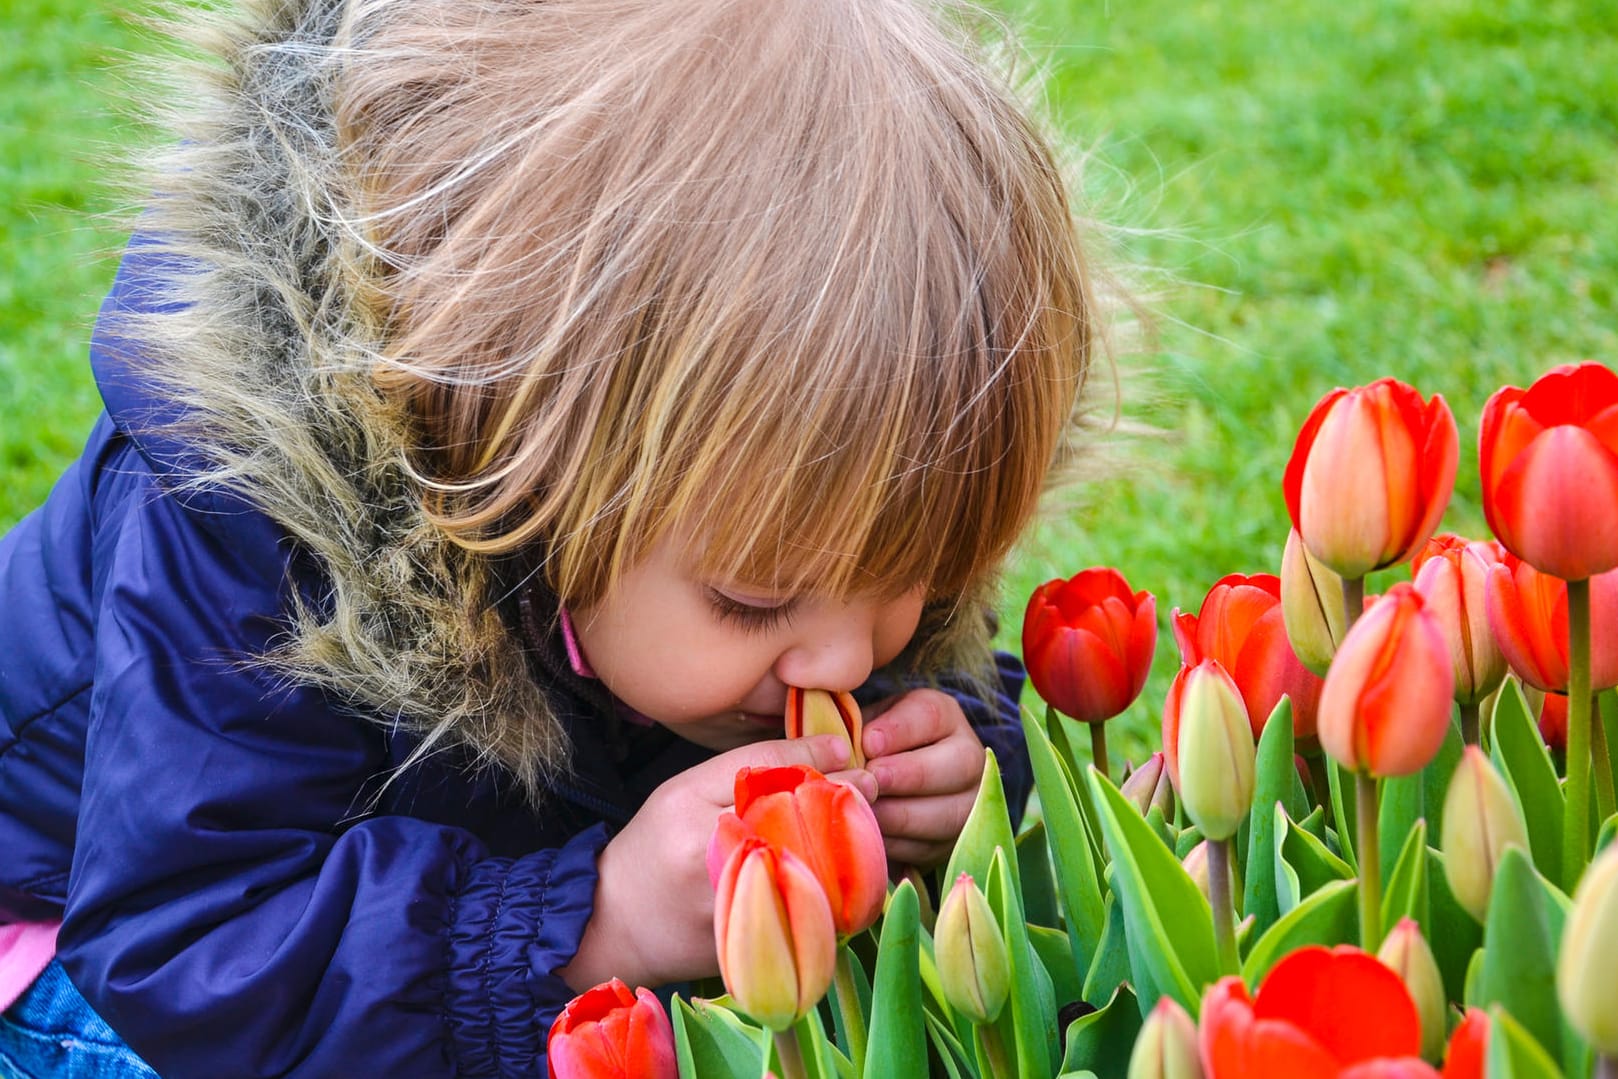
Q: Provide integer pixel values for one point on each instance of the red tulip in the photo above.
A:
(1386, 706)
(827, 825)
(610, 1032)
(1450, 575)
(1088, 643)
(1319, 1012)
(1549, 459)
(1370, 475)
(1527, 613)
(773, 932)
(1553, 721)
(1240, 625)
(1468, 1047)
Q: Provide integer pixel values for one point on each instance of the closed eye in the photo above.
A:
(752, 617)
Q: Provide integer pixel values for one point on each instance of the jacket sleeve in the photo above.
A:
(997, 719)
(233, 910)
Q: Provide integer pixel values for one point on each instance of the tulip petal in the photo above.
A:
(1571, 394)
(1440, 456)
(1292, 479)
(1556, 498)
(1527, 612)
(1468, 1046)
(1346, 1000)
(1345, 495)
(1405, 713)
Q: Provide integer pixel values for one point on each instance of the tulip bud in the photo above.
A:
(1195, 864)
(1311, 606)
(1589, 943)
(609, 1032)
(773, 933)
(1149, 786)
(1481, 820)
(1215, 750)
(970, 951)
(822, 711)
(1386, 706)
(1166, 1047)
(1451, 580)
(1407, 954)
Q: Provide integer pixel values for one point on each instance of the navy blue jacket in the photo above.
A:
(243, 892)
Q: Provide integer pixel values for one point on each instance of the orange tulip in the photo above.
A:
(1241, 626)
(1370, 475)
(1468, 1047)
(610, 1032)
(1386, 706)
(1450, 575)
(827, 825)
(773, 932)
(1527, 613)
(1319, 1012)
(1549, 460)
(1088, 643)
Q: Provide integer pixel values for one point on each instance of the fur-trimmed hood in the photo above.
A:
(249, 370)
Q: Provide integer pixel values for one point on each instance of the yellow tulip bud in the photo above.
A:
(1215, 752)
(1311, 606)
(1589, 944)
(971, 953)
(1407, 953)
(1166, 1047)
(1481, 820)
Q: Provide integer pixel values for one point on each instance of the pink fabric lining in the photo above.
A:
(26, 949)
(582, 668)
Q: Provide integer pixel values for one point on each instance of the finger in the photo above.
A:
(916, 719)
(937, 819)
(825, 753)
(947, 767)
(860, 780)
(922, 854)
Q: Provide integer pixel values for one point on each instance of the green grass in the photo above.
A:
(1342, 190)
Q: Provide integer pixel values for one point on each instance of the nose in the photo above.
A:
(835, 652)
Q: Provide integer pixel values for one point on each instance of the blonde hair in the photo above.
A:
(798, 277)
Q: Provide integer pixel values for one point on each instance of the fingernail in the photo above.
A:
(876, 743)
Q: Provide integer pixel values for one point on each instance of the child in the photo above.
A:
(506, 401)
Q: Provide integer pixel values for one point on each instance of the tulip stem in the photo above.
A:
(1469, 724)
(1606, 802)
(1353, 601)
(1370, 859)
(848, 1004)
(1098, 747)
(790, 1053)
(1576, 819)
(992, 1048)
(1219, 897)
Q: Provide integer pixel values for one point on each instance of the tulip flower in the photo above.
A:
(1311, 606)
(1241, 625)
(827, 825)
(1370, 475)
(970, 951)
(1584, 967)
(1319, 1011)
(1088, 643)
(1549, 461)
(1166, 1047)
(1450, 574)
(1528, 616)
(1553, 721)
(610, 1032)
(824, 711)
(1407, 953)
(1150, 785)
(1385, 708)
(1468, 1047)
(773, 933)
(1481, 820)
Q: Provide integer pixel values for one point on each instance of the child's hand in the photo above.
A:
(928, 763)
(653, 919)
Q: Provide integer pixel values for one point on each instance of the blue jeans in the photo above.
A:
(51, 1033)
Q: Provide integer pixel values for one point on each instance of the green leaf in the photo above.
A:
(1342, 810)
(1521, 757)
(1078, 886)
(1167, 835)
(1051, 946)
(712, 1040)
(1275, 775)
(898, 1041)
(988, 826)
(1103, 1041)
(1400, 805)
(821, 1059)
(1329, 916)
(1031, 1006)
(1453, 933)
(1038, 886)
(1523, 929)
(862, 991)
(1311, 862)
(956, 1059)
(1405, 894)
(1110, 967)
(1167, 921)
(1513, 1052)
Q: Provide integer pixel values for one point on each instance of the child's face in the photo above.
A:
(711, 660)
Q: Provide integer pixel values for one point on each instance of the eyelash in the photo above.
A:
(752, 619)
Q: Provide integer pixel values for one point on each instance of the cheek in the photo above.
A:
(896, 627)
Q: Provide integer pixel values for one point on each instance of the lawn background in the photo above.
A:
(1327, 192)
